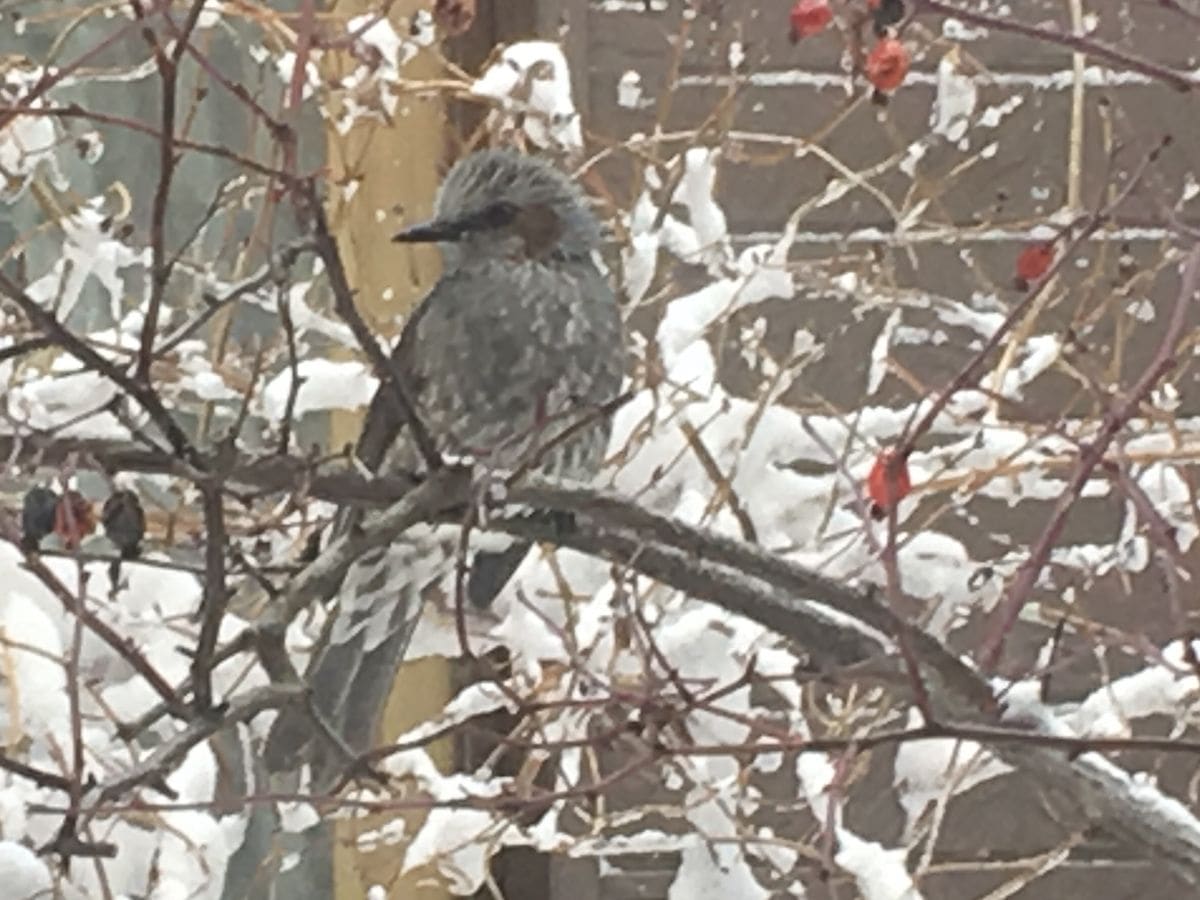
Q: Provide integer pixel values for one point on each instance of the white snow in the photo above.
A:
(324, 384)
(23, 874)
(89, 251)
(629, 90)
(532, 78)
(955, 101)
(880, 873)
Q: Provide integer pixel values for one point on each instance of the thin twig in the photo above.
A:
(273, 271)
(1098, 49)
(284, 304)
(160, 265)
(966, 376)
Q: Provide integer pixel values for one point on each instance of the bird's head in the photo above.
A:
(498, 203)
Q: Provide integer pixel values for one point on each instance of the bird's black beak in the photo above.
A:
(430, 232)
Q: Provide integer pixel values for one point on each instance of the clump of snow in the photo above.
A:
(531, 79)
(285, 64)
(23, 874)
(1166, 688)
(955, 100)
(89, 250)
(880, 873)
(714, 871)
(324, 384)
(210, 15)
(955, 30)
(369, 92)
(934, 770)
(29, 142)
(51, 401)
(455, 841)
(35, 700)
(629, 90)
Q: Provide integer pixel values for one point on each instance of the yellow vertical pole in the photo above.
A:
(374, 169)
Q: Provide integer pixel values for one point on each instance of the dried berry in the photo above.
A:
(124, 522)
(37, 516)
(73, 519)
(454, 16)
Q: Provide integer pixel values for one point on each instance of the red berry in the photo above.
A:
(809, 17)
(1033, 263)
(888, 482)
(887, 64)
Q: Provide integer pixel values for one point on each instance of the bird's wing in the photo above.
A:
(385, 419)
(385, 422)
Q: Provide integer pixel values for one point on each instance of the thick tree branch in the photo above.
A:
(750, 581)
(1087, 790)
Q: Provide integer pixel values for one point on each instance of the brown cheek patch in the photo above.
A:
(539, 228)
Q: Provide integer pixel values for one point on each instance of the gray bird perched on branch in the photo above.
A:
(517, 344)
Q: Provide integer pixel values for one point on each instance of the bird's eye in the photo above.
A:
(498, 214)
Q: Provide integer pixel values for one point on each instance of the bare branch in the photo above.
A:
(1091, 455)
(343, 299)
(140, 391)
(216, 597)
(172, 752)
(1179, 80)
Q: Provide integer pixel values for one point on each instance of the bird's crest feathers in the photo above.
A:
(495, 199)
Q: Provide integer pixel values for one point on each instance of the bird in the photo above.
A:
(521, 331)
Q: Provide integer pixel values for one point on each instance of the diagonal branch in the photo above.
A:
(343, 299)
(1091, 455)
(140, 391)
(168, 755)
(1182, 81)
(1084, 789)
(838, 623)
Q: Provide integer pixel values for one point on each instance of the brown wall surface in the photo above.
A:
(1054, 148)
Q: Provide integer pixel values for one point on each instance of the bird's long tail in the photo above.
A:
(352, 672)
